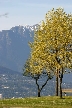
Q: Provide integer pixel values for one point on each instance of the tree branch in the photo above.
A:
(44, 84)
(37, 83)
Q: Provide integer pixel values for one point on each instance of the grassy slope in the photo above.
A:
(35, 102)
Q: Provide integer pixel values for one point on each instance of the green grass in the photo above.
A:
(35, 102)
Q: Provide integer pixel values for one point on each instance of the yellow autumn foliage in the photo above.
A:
(52, 42)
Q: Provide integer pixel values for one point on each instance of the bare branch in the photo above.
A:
(5, 15)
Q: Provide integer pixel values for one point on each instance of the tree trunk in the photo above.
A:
(39, 92)
(39, 89)
(60, 87)
(57, 83)
(61, 83)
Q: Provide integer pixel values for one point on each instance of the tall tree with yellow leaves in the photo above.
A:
(51, 48)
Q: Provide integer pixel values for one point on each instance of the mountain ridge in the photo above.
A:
(5, 70)
(14, 49)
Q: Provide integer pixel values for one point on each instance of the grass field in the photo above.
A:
(35, 102)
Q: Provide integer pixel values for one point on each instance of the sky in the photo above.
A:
(28, 12)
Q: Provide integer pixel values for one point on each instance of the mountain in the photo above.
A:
(14, 49)
(4, 70)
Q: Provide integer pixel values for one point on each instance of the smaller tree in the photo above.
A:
(36, 76)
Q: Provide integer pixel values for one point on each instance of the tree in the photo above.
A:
(50, 49)
(28, 72)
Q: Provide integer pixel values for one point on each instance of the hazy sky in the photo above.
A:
(28, 12)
